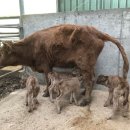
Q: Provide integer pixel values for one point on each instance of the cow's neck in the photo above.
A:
(23, 54)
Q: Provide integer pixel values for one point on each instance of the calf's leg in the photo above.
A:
(75, 98)
(30, 103)
(109, 100)
(51, 93)
(26, 100)
(58, 105)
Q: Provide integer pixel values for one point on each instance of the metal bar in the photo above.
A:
(96, 4)
(76, 5)
(103, 4)
(10, 26)
(89, 4)
(111, 1)
(126, 3)
(70, 5)
(10, 17)
(83, 5)
(64, 6)
(21, 6)
(100, 4)
(10, 73)
(118, 3)
(10, 36)
(9, 32)
(57, 6)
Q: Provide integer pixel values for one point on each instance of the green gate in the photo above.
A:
(86, 5)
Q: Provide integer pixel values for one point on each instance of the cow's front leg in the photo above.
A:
(88, 83)
(46, 91)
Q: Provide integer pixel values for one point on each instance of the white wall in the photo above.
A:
(39, 6)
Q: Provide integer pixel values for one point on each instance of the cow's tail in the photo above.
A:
(107, 37)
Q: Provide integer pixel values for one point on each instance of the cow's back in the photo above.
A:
(61, 45)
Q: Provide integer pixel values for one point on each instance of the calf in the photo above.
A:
(64, 87)
(54, 77)
(33, 89)
(118, 93)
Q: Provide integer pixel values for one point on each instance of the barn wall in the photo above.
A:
(86, 5)
(114, 22)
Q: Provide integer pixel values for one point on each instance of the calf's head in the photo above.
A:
(102, 79)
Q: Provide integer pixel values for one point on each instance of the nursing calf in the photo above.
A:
(62, 88)
(118, 94)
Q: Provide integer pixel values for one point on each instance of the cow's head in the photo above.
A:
(7, 56)
(102, 79)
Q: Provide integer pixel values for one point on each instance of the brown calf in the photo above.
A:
(63, 87)
(118, 93)
(33, 89)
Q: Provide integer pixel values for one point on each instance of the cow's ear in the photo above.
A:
(7, 47)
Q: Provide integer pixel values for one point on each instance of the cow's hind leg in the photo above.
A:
(46, 91)
(88, 83)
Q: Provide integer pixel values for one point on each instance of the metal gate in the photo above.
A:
(11, 29)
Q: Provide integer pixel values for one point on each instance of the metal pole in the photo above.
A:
(103, 4)
(64, 6)
(57, 6)
(89, 5)
(126, 3)
(96, 4)
(111, 2)
(100, 4)
(118, 3)
(83, 5)
(70, 5)
(21, 6)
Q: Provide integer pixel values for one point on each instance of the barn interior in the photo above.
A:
(20, 19)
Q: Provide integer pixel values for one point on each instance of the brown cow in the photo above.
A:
(62, 46)
(118, 93)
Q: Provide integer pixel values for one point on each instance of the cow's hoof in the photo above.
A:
(30, 110)
(46, 94)
(109, 118)
(125, 115)
(84, 102)
(106, 104)
(83, 91)
(58, 112)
